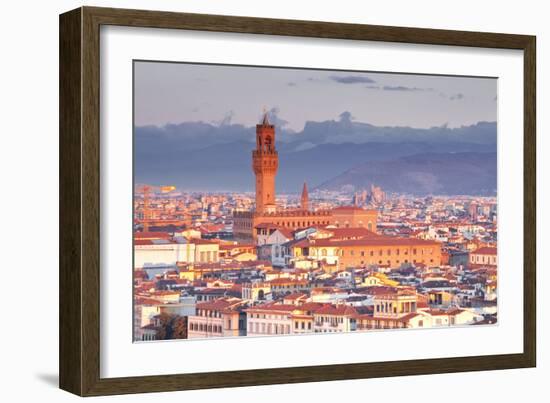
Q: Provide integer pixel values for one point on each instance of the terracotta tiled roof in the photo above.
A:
(408, 317)
(287, 233)
(220, 304)
(295, 295)
(486, 250)
(310, 306)
(146, 301)
(151, 235)
(455, 311)
(212, 228)
(165, 292)
(287, 281)
(140, 242)
(439, 312)
(353, 232)
(329, 309)
(236, 246)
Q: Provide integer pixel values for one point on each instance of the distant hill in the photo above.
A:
(465, 173)
(204, 156)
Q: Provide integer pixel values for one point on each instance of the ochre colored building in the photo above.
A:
(376, 250)
(265, 162)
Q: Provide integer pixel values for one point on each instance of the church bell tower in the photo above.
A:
(265, 162)
(304, 200)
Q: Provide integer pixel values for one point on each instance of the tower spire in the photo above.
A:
(305, 198)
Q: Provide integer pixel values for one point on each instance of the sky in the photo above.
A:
(172, 93)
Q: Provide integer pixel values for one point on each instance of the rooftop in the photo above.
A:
(486, 250)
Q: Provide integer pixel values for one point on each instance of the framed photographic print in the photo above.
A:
(250, 201)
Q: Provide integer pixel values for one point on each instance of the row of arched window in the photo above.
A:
(414, 251)
(300, 224)
(208, 313)
(202, 327)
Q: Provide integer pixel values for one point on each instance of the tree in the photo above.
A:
(179, 327)
(171, 327)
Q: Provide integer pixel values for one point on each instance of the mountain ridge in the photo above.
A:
(463, 173)
(219, 157)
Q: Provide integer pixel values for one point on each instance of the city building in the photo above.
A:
(269, 319)
(485, 256)
(385, 251)
(223, 317)
(334, 319)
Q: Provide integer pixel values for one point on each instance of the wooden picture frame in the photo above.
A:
(79, 348)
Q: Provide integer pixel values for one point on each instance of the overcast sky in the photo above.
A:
(178, 92)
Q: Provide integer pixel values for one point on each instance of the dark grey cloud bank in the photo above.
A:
(352, 79)
(212, 157)
(403, 88)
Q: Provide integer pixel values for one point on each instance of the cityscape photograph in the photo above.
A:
(276, 201)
